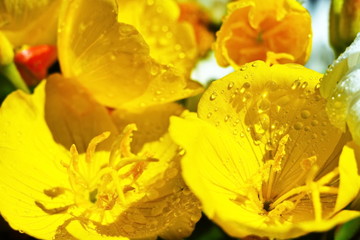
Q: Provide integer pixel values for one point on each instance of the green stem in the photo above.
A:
(11, 73)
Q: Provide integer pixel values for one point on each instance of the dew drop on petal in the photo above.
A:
(305, 114)
(213, 96)
(298, 125)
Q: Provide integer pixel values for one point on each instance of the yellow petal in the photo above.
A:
(112, 60)
(30, 22)
(73, 116)
(170, 41)
(152, 122)
(30, 163)
(349, 178)
(220, 168)
(251, 29)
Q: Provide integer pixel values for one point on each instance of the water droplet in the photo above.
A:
(172, 172)
(128, 228)
(295, 84)
(304, 85)
(305, 114)
(314, 122)
(182, 152)
(314, 135)
(217, 123)
(263, 105)
(158, 92)
(230, 85)
(324, 132)
(235, 132)
(298, 125)
(209, 115)
(213, 96)
(227, 117)
(246, 96)
(243, 68)
(152, 194)
(182, 55)
(254, 64)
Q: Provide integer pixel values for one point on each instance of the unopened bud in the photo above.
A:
(344, 23)
(6, 51)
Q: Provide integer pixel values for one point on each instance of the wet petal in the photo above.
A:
(167, 208)
(341, 88)
(29, 22)
(170, 41)
(112, 60)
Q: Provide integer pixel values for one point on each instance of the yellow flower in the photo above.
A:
(30, 22)
(262, 156)
(252, 29)
(171, 42)
(113, 61)
(67, 173)
(340, 86)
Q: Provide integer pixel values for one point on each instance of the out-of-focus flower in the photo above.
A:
(67, 173)
(33, 62)
(341, 87)
(170, 41)
(200, 21)
(344, 23)
(113, 61)
(253, 28)
(6, 51)
(8, 69)
(29, 22)
(262, 156)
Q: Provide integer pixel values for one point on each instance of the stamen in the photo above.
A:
(90, 151)
(52, 211)
(121, 146)
(276, 163)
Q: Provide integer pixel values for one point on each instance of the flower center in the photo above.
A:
(101, 181)
(278, 209)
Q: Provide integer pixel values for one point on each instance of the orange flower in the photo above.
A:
(279, 30)
(200, 20)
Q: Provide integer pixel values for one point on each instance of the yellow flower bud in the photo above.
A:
(344, 23)
(6, 51)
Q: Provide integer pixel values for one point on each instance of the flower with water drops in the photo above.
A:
(70, 170)
(115, 60)
(267, 162)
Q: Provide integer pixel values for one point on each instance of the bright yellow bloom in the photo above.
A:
(262, 156)
(67, 173)
(113, 61)
(253, 28)
(340, 86)
(171, 42)
(30, 22)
